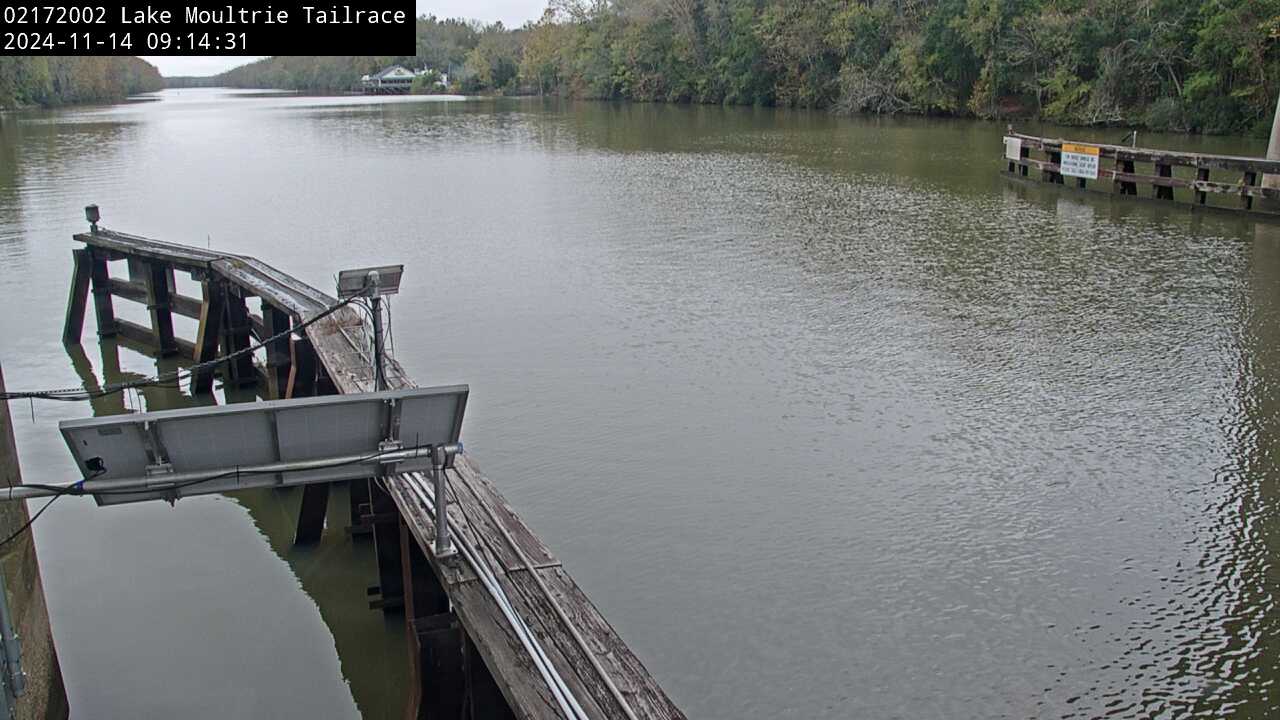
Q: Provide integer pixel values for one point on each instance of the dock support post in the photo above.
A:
(437, 684)
(484, 698)
(208, 334)
(315, 504)
(100, 279)
(1250, 180)
(303, 368)
(358, 492)
(236, 328)
(156, 276)
(79, 296)
(386, 547)
(274, 322)
(1202, 174)
(1164, 192)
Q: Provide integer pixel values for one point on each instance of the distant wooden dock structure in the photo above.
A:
(500, 630)
(1197, 180)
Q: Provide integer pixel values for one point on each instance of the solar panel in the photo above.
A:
(301, 441)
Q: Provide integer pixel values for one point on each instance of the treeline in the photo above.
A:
(59, 80)
(1186, 65)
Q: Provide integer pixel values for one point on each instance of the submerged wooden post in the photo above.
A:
(484, 697)
(79, 296)
(156, 277)
(1249, 181)
(304, 366)
(386, 546)
(1164, 192)
(208, 334)
(1202, 175)
(100, 278)
(437, 687)
(311, 514)
(236, 329)
(274, 322)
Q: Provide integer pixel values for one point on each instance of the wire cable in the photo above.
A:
(81, 394)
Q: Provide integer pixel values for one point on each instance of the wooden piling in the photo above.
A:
(208, 334)
(81, 262)
(157, 278)
(100, 279)
(236, 329)
(277, 322)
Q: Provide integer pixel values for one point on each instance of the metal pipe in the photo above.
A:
(555, 605)
(170, 480)
(379, 372)
(444, 548)
(17, 680)
(559, 689)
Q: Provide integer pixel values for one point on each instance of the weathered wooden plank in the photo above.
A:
(208, 334)
(157, 288)
(137, 292)
(78, 297)
(142, 338)
(100, 281)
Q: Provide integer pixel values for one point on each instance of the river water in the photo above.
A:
(827, 417)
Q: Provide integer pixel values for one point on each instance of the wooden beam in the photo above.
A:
(100, 279)
(208, 333)
(311, 514)
(157, 283)
(137, 292)
(78, 297)
(1163, 191)
(276, 322)
(386, 547)
(303, 368)
(239, 370)
(1202, 176)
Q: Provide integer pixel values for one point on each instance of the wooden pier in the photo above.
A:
(467, 655)
(1197, 180)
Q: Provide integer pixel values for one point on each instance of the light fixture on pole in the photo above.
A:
(93, 216)
(372, 283)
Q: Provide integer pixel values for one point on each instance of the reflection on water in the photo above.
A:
(828, 418)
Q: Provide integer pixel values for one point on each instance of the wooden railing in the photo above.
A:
(1225, 182)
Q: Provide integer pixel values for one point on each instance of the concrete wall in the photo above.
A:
(46, 697)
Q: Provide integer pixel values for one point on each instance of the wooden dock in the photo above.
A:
(1200, 181)
(469, 658)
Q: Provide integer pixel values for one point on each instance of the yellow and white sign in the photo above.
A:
(1080, 161)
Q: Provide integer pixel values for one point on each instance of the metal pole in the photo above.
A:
(267, 472)
(15, 679)
(379, 374)
(444, 546)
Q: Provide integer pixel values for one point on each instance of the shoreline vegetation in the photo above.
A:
(1196, 66)
(50, 81)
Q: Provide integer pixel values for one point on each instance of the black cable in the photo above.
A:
(29, 523)
(81, 394)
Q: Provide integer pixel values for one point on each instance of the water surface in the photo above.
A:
(827, 417)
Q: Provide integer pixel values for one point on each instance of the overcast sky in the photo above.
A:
(512, 13)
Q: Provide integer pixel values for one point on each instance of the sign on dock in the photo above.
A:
(1080, 161)
(1012, 148)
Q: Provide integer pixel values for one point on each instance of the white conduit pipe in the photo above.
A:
(564, 696)
(564, 617)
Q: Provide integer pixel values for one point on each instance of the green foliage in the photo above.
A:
(61, 80)
(1198, 65)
